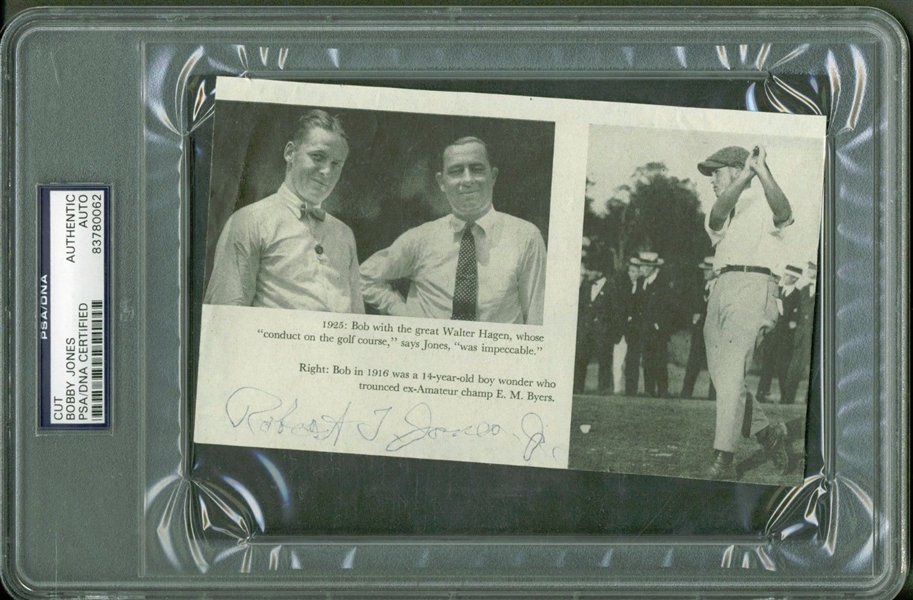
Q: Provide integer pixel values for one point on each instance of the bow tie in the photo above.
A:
(315, 211)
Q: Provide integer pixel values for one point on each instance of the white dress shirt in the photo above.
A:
(511, 269)
(649, 280)
(272, 253)
(749, 237)
(596, 288)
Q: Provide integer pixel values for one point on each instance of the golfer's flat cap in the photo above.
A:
(731, 156)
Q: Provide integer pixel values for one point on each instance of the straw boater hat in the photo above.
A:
(707, 264)
(793, 270)
(646, 259)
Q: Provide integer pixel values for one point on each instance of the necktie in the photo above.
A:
(316, 212)
(466, 287)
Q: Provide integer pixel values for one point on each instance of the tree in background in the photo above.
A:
(653, 212)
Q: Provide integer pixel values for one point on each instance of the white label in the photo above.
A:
(75, 278)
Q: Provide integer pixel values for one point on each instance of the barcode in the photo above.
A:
(98, 360)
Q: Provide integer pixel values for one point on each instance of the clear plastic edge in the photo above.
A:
(894, 467)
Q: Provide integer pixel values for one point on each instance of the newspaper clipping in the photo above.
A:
(510, 280)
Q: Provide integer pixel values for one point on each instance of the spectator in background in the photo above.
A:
(778, 344)
(631, 297)
(697, 354)
(800, 363)
(598, 330)
(655, 324)
(624, 285)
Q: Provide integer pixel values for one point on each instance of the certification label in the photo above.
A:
(73, 306)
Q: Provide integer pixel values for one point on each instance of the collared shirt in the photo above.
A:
(651, 278)
(597, 287)
(807, 285)
(511, 269)
(749, 237)
(272, 253)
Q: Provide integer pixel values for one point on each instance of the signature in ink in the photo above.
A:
(534, 430)
(419, 418)
(262, 412)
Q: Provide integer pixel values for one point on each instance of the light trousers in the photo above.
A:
(618, 360)
(741, 308)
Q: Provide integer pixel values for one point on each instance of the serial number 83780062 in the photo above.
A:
(91, 221)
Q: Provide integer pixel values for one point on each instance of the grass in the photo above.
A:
(671, 437)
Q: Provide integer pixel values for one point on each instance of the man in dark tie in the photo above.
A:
(286, 251)
(778, 344)
(631, 303)
(475, 264)
(598, 330)
(800, 361)
(655, 325)
(697, 355)
(621, 345)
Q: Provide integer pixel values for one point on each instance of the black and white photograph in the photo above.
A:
(697, 303)
(510, 280)
(341, 210)
(381, 257)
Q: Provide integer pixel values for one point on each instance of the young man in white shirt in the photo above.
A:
(745, 226)
(286, 251)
